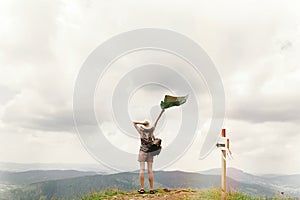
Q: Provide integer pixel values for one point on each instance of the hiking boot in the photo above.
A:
(152, 192)
(141, 191)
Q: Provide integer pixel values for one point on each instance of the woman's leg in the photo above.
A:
(142, 170)
(150, 174)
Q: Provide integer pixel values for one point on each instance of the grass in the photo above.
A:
(101, 195)
(216, 194)
(187, 194)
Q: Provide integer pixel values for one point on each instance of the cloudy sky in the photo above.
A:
(255, 46)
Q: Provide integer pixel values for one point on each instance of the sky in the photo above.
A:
(254, 45)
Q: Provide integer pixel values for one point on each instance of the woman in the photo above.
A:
(147, 137)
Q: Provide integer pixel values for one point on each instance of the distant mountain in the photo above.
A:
(35, 176)
(20, 167)
(287, 181)
(237, 175)
(74, 188)
(179, 179)
(289, 184)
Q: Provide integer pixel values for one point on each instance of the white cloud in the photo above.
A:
(22, 145)
(255, 46)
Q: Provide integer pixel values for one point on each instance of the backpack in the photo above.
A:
(155, 148)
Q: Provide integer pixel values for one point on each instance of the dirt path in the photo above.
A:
(163, 194)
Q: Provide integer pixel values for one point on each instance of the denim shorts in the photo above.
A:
(145, 157)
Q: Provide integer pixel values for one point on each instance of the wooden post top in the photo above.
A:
(223, 132)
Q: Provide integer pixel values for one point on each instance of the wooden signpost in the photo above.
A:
(224, 146)
(224, 167)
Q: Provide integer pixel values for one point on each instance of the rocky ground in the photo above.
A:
(162, 194)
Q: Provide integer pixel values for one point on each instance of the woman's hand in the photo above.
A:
(146, 123)
(139, 123)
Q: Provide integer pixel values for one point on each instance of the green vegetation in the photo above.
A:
(183, 194)
(216, 194)
(128, 182)
(102, 195)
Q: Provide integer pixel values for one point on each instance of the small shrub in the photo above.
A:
(102, 194)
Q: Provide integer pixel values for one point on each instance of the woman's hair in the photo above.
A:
(147, 130)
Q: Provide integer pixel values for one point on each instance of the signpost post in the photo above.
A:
(224, 167)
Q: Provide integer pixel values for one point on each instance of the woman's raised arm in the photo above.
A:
(155, 123)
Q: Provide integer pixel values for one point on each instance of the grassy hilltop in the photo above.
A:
(70, 185)
(165, 194)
